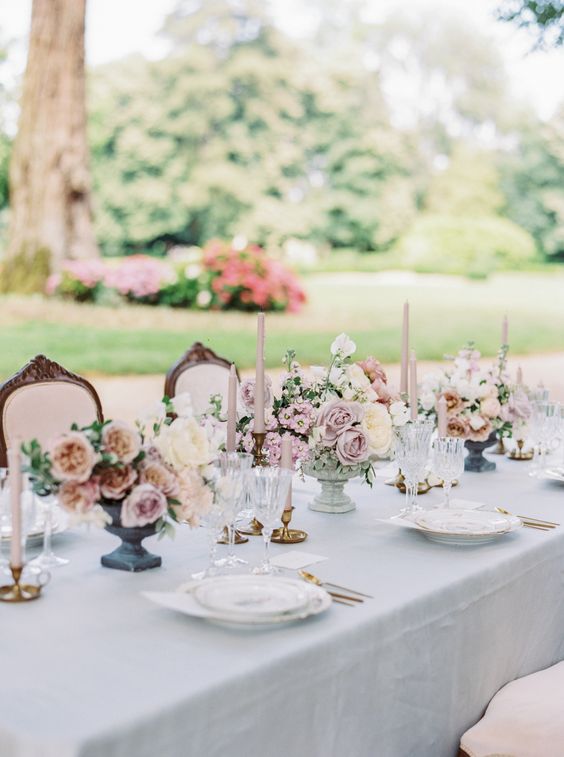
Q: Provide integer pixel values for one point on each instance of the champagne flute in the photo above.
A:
(269, 489)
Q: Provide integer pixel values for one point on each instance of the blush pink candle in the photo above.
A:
(519, 376)
(232, 410)
(15, 473)
(287, 463)
(505, 330)
(404, 349)
(413, 385)
(442, 416)
(259, 376)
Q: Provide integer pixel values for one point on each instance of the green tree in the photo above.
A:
(544, 17)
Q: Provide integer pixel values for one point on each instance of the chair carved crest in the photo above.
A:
(198, 354)
(40, 370)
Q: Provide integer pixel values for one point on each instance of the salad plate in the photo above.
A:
(465, 527)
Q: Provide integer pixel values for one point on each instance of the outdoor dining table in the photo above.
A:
(94, 669)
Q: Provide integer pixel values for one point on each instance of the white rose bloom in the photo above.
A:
(427, 401)
(400, 413)
(477, 422)
(357, 376)
(184, 443)
(370, 395)
(377, 425)
(343, 345)
(182, 405)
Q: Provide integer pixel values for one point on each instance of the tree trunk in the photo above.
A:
(50, 211)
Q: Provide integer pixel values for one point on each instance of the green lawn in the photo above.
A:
(445, 314)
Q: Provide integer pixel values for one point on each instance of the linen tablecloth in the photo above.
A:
(93, 669)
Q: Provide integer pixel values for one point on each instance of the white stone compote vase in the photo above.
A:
(332, 477)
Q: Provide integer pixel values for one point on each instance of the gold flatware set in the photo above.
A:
(530, 522)
(337, 596)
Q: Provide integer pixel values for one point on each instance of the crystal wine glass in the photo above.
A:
(214, 521)
(4, 519)
(269, 488)
(412, 450)
(545, 427)
(233, 466)
(47, 558)
(448, 462)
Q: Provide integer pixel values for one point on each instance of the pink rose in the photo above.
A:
(457, 427)
(374, 370)
(78, 497)
(247, 393)
(164, 479)
(490, 407)
(482, 433)
(352, 447)
(454, 402)
(72, 457)
(336, 416)
(122, 440)
(115, 481)
(145, 505)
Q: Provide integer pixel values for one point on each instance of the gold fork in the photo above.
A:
(528, 522)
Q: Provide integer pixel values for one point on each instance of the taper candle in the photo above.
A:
(442, 416)
(519, 376)
(231, 442)
(287, 463)
(404, 349)
(259, 376)
(505, 330)
(413, 385)
(15, 479)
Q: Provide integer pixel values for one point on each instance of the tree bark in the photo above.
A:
(50, 208)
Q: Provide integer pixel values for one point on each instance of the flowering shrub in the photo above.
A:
(248, 279)
(219, 277)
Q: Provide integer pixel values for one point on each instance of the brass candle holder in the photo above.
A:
(259, 460)
(399, 482)
(287, 535)
(239, 538)
(18, 592)
(519, 453)
(500, 448)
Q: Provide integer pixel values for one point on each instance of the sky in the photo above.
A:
(116, 28)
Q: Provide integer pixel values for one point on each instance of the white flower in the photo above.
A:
(428, 401)
(357, 377)
(399, 412)
(343, 346)
(182, 405)
(317, 434)
(203, 298)
(370, 395)
(184, 443)
(193, 270)
(349, 393)
(153, 417)
(477, 422)
(336, 375)
(377, 426)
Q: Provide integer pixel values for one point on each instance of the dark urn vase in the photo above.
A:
(475, 460)
(131, 554)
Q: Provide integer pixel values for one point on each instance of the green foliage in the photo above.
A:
(533, 182)
(545, 17)
(473, 245)
(25, 272)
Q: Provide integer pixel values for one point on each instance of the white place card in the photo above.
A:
(296, 560)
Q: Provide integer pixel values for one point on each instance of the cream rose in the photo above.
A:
(72, 457)
(183, 444)
(162, 478)
(122, 440)
(195, 497)
(490, 407)
(377, 426)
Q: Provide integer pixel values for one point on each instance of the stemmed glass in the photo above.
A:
(269, 488)
(412, 450)
(233, 467)
(448, 462)
(47, 558)
(545, 428)
(4, 518)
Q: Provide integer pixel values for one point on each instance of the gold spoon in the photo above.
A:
(310, 578)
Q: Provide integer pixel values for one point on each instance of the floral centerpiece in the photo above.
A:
(133, 483)
(340, 419)
(480, 403)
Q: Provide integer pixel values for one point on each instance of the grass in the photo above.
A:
(446, 312)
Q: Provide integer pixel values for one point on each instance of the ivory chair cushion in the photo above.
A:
(524, 719)
(201, 381)
(42, 411)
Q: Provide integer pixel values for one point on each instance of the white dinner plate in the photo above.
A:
(554, 474)
(35, 536)
(465, 527)
(318, 600)
(260, 596)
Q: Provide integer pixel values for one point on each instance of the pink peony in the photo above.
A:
(457, 426)
(146, 504)
(122, 440)
(352, 447)
(335, 417)
(162, 477)
(454, 401)
(72, 457)
(483, 430)
(116, 481)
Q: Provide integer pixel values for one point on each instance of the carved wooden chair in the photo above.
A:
(201, 373)
(42, 400)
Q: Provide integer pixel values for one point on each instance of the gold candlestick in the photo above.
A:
(239, 538)
(259, 460)
(399, 482)
(18, 592)
(287, 535)
(499, 448)
(520, 453)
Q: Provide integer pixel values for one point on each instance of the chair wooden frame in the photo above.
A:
(198, 354)
(40, 370)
